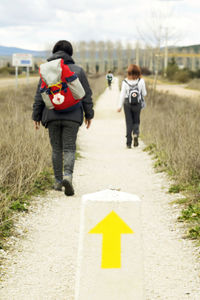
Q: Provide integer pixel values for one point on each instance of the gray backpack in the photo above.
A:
(134, 96)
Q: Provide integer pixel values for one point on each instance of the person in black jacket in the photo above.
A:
(63, 126)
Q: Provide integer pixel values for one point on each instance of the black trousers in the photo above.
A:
(132, 117)
(63, 134)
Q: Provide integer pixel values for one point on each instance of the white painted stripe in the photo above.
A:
(109, 195)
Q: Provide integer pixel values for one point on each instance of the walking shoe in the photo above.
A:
(128, 146)
(57, 186)
(67, 183)
(135, 141)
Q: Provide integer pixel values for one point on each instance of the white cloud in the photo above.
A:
(36, 23)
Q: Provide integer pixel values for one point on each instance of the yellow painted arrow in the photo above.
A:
(112, 226)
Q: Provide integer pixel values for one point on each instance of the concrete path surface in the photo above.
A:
(43, 263)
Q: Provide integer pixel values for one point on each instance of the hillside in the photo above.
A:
(8, 51)
(195, 48)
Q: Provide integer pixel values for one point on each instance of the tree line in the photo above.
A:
(101, 56)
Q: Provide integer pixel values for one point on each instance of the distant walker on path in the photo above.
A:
(132, 96)
(109, 78)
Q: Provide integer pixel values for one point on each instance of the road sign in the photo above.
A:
(110, 255)
(22, 60)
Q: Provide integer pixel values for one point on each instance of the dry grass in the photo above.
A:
(25, 154)
(194, 84)
(170, 126)
(98, 85)
(171, 123)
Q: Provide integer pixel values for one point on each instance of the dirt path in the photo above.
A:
(43, 264)
(180, 90)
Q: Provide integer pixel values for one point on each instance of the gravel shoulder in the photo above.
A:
(42, 264)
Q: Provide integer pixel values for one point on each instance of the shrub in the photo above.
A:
(145, 71)
(182, 76)
(172, 69)
(8, 71)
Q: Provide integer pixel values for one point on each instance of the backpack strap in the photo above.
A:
(130, 84)
(127, 82)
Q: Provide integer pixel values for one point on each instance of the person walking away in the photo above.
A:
(63, 125)
(132, 95)
(109, 78)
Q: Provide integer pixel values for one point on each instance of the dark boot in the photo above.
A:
(67, 183)
(135, 144)
(57, 185)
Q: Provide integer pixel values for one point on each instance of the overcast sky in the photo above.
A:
(37, 23)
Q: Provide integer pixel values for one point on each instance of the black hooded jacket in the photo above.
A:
(45, 115)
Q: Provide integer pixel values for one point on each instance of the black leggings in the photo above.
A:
(132, 116)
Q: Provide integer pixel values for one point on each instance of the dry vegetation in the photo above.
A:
(98, 84)
(170, 127)
(25, 154)
(194, 84)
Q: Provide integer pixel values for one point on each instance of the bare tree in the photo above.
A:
(157, 34)
(110, 54)
(119, 51)
(92, 55)
(101, 56)
(75, 51)
(129, 53)
(82, 47)
(137, 53)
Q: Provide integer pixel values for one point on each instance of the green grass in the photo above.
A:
(191, 215)
(150, 148)
(192, 212)
(194, 233)
(176, 188)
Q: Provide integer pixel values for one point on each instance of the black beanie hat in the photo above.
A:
(63, 46)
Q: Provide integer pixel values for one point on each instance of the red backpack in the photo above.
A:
(60, 88)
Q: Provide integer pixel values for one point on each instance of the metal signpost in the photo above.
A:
(22, 60)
